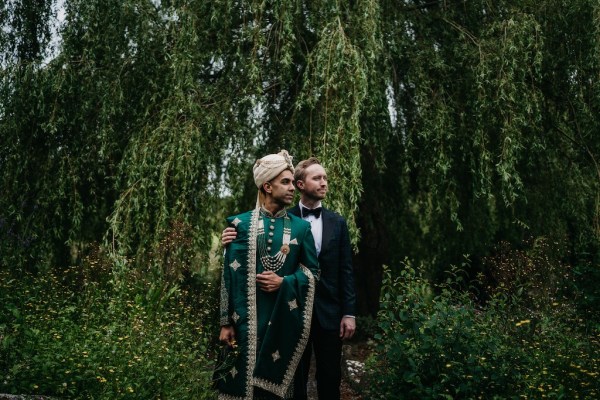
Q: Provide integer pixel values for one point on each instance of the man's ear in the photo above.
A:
(267, 187)
(300, 184)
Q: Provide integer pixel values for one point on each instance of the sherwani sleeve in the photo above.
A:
(225, 308)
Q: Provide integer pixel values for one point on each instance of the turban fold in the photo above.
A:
(269, 167)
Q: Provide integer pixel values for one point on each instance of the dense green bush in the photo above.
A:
(107, 331)
(586, 279)
(437, 342)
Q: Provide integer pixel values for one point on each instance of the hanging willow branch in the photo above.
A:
(335, 90)
(456, 117)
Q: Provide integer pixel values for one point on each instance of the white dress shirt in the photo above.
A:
(316, 226)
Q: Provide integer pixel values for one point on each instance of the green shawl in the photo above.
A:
(271, 329)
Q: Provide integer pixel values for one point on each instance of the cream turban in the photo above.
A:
(269, 167)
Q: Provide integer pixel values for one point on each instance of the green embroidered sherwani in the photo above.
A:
(271, 329)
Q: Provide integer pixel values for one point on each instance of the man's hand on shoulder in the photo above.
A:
(228, 235)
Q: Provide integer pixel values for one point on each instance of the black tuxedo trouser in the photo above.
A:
(327, 347)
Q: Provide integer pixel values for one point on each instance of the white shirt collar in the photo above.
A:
(316, 226)
(302, 205)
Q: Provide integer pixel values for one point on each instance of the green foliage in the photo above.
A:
(493, 138)
(435, 342)
(29, 34)
(366, 328)
(336, 83)
(586, 278)
(466, 124)
(536, 273)
(445, 127)
(106, 330)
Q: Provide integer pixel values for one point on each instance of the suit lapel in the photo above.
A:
(327, 225)
(327, 229)
(295, 211)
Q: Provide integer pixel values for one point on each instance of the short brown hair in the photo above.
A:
(300, 172)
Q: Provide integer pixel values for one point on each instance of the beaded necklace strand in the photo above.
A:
(276, 261)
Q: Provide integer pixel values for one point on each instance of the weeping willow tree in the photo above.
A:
(445, 126)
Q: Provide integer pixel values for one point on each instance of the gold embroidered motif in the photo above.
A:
(233, 372)
(235, 317)
(224, 307)
(293, 304)
(225, 396)
(236, 221)
(276, 355)
(235, 265)
(293, 241)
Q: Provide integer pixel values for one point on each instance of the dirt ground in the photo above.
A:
(346, 391)
(357, 351)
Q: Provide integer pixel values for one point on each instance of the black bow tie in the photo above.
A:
(315, 211)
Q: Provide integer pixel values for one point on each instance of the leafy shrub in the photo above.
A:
(108, 331)
(587, 289)
(435, 342)
(536, 274)
(366, 328)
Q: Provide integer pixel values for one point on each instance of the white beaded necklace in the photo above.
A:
(276, 261)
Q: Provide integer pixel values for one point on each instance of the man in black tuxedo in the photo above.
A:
(335, 300)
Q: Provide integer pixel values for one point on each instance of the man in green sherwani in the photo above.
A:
(267, 290)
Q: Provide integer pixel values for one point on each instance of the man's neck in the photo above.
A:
(309, 203)
(272, 206)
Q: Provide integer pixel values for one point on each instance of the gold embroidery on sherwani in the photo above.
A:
(252, 315)
(252, 312)
(276, 355)
(281, 390)
(224, 309)
(225, 396)
(235, 265)
(293, 304)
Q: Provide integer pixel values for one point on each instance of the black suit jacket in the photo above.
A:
(335, 295)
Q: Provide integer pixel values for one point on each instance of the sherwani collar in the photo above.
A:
(278, 214)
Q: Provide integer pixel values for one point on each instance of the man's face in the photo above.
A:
(314, 184)
(281, 188)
